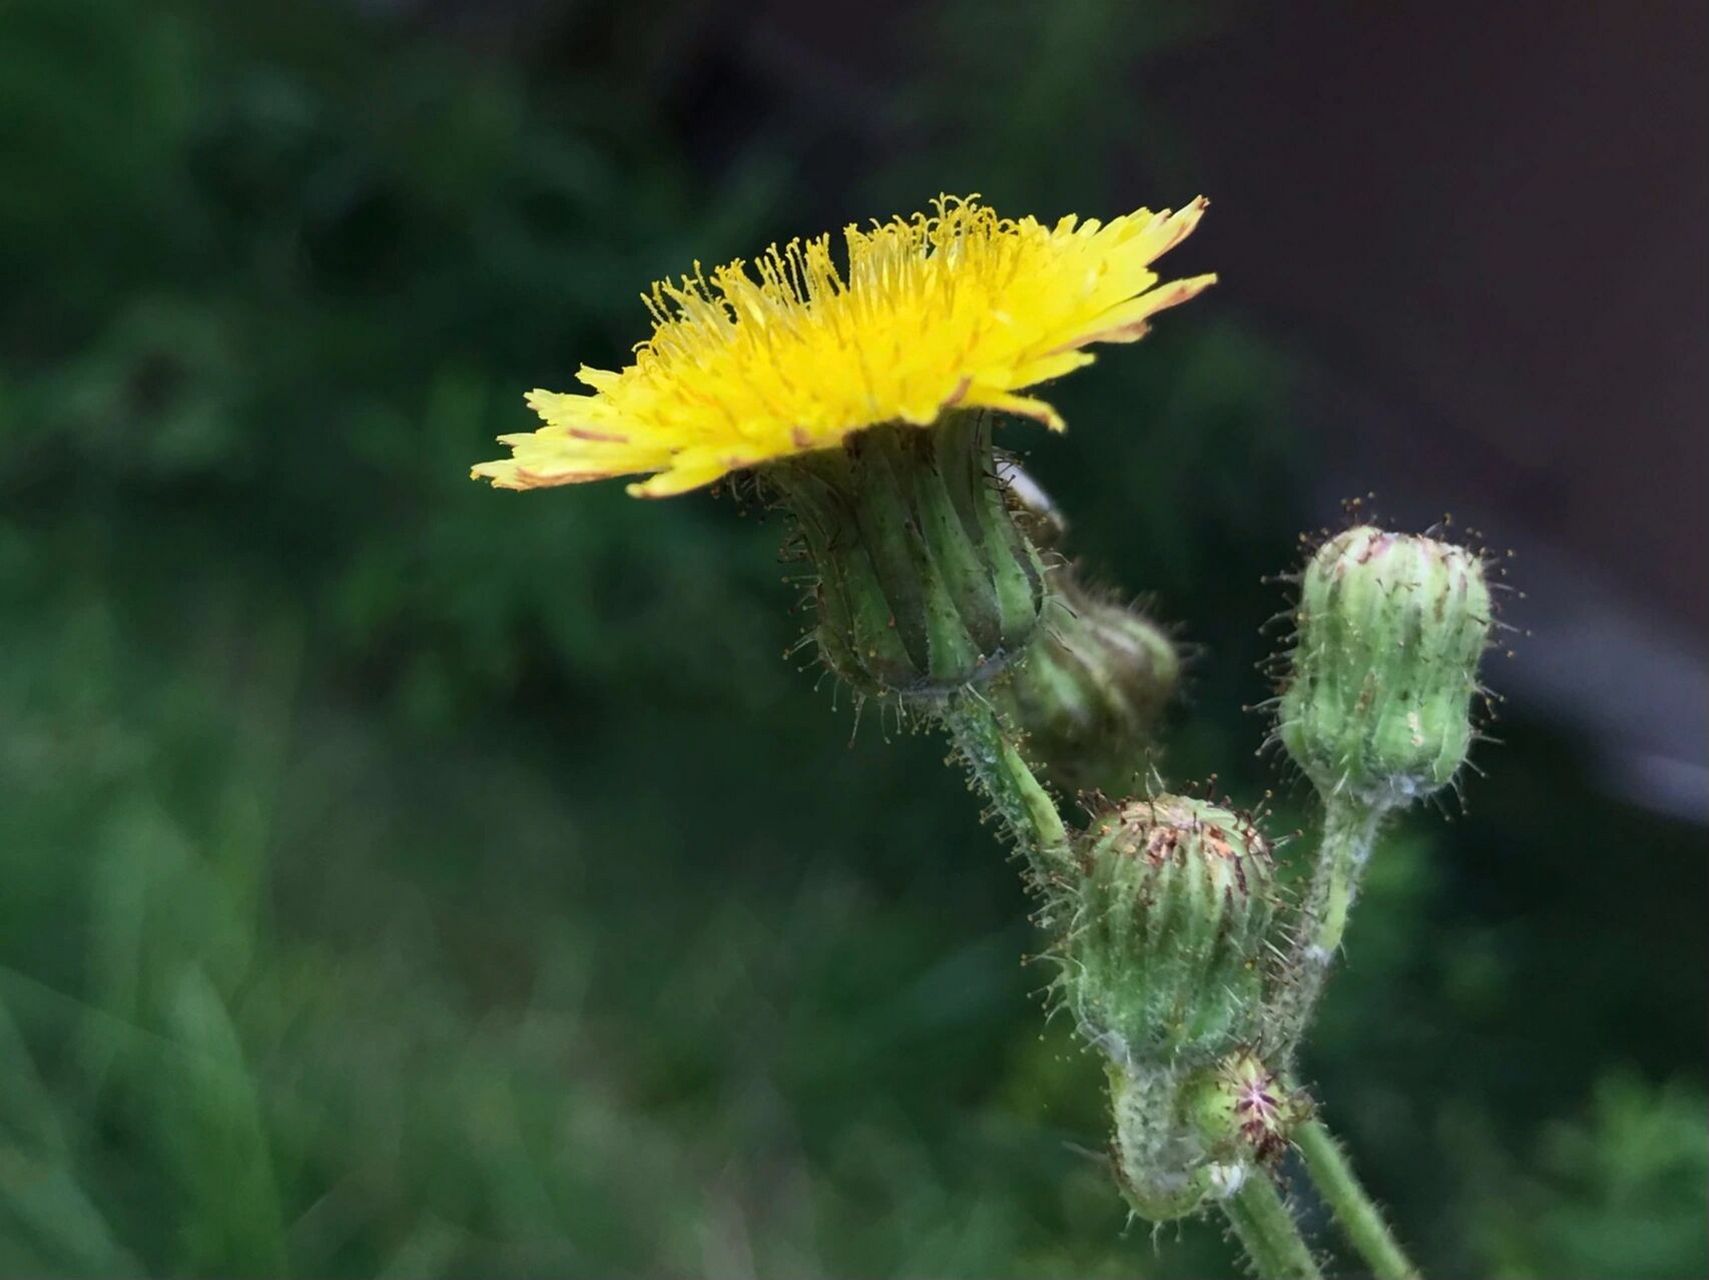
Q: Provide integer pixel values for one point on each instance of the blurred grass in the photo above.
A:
(400, 878)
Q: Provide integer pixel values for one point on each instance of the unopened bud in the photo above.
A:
(1157, 1158)
(1164, 952)
(1092, 690)
(1243, 1110)
(925, 584)
(1389, 631)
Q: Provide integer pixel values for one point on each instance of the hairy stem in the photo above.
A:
(1349, 829)
(1355, 1211)
(1267, 1231)
(1018, 797)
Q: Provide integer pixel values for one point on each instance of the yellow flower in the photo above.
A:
(958, 308)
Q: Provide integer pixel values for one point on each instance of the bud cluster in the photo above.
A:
(931, 588)
(1164, 967)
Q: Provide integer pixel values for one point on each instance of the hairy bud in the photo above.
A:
(1389, 631)
(1092, 690)
(1184, 1137)
(1242, 1110)
(1171, 912)
(925, 583)
(1158, 1160)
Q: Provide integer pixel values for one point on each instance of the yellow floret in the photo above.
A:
(957, 308)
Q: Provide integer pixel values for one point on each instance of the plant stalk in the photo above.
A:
(1020, 800)
(1349, 830)
(1267, 1231)
(1360, 1219)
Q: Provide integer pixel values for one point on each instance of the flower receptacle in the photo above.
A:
(925, 584)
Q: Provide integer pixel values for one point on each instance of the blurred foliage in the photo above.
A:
(1618, 1192)
(401, 878)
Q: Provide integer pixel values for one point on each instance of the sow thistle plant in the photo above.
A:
(859, 391)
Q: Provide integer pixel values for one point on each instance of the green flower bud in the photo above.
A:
(1170, 917)
(1389, 631)
(1242, 1111)
(1159, 1162)
(1092, 690)
(925, 584)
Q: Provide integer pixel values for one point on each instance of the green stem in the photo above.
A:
(1357, 1213)
(1020, 800)
(1268, 1233)
(1349, 829)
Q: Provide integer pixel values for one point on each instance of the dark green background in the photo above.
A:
(403, 878)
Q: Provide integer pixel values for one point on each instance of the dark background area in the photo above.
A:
(403, 878)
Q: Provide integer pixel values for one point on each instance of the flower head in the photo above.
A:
(957, 308)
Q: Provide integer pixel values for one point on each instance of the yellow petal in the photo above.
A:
(795, 351)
